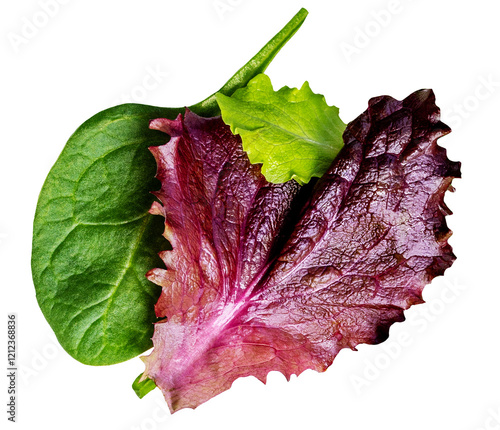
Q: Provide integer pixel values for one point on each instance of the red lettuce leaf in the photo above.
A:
(268, 276)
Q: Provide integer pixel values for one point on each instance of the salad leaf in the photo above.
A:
(293, 133)
(93, 237)
(267, 276)
(93, 240)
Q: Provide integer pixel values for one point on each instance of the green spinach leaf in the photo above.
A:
(93, 238)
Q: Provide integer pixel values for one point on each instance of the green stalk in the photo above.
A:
(258, 64)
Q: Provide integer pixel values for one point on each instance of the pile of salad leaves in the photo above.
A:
(284, 236)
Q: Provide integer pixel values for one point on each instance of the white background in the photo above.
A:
(438, 370)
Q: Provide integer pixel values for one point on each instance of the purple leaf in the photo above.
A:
(268, 276)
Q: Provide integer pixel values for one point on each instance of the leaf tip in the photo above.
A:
(168, 126)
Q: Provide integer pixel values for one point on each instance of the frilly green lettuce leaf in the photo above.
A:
(292, 132)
